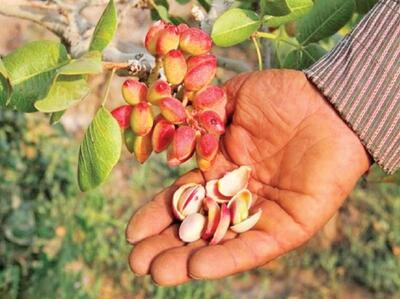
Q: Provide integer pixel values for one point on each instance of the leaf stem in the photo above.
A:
(109, 65)
(108, 87)
(274, 37)
(152, 3)
(259, 56)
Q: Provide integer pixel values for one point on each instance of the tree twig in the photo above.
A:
(64, 19)
(45, 16)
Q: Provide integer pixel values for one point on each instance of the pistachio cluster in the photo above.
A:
(209, 211)
(181, 114)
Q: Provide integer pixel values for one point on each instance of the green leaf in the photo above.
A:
(65, 92)
(298, 11)
(301, 59)
(275, 7)
(5, 90)
(100, 150)
(5, 85)
(90, 63)
(325, 19)
(363, 6)
(31, 70)
(282, 7)
(105, 28)
(183, 1)
(56, 116)
(3, 70)
(162, 12)
(234, 26)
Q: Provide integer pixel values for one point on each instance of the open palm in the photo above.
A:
(305, 162)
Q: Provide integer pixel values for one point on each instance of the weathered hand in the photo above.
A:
(305, 161)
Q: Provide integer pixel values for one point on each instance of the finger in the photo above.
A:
(232, 88)
(276, 233)
(171, 267)
(247, 251)
(155, 216)
(145, 251)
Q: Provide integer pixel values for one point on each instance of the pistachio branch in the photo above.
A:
(65, 20)
(45, 15)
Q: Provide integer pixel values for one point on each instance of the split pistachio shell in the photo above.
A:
(244, 195)
(239, 206)
(212, 192)
(213, 214)
(234, 181)
(187, 200)
(239, 211)
(248, 223)
(209, 212)
(192, 227)
(223, 225)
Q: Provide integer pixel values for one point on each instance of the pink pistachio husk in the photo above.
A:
(141, 119)
(134, 91)
(175, 67)
(173, 110)
(150, 40)
(206, 150)
(195, 41)
(168, 39)
(209, 97)
(211, 122)
(158, 89)
(163, 134)
(201, 71)
(123, 115)
(142, 148)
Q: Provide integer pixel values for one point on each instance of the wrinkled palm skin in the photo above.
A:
(305, 162)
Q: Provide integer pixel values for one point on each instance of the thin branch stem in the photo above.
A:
(259, 56)
(110, 65)
(274, 37)
(108, 87)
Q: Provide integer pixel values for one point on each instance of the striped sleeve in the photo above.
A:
(361, 78)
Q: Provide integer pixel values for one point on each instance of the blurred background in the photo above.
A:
(56, 242)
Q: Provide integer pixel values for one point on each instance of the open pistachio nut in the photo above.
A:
(209, 212)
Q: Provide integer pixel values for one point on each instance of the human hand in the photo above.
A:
(305, 162)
